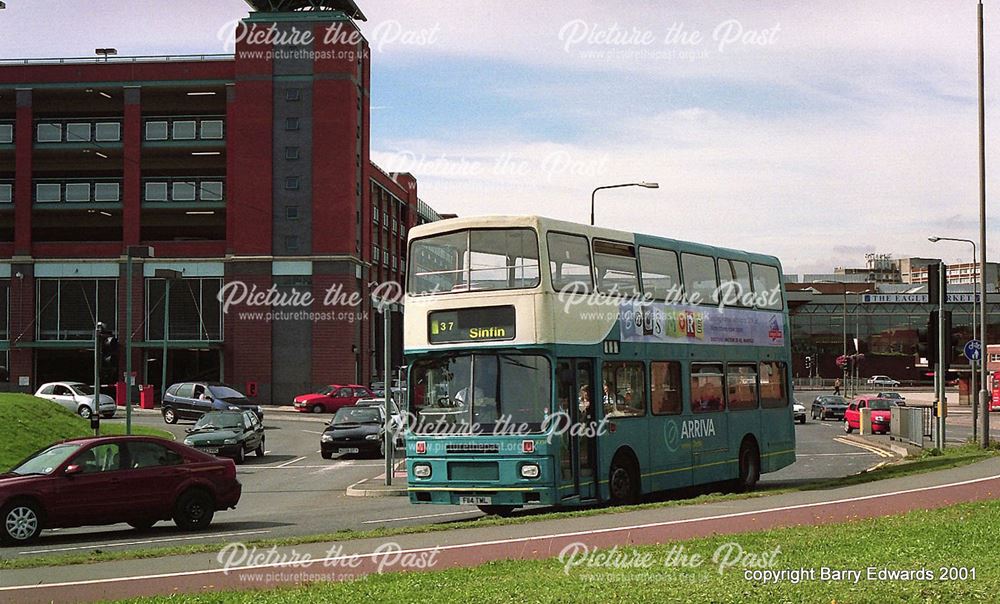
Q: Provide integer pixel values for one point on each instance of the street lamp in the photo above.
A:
(975, 292)
(132, 251)
(106, 52)
(643, 184)
(167, 275)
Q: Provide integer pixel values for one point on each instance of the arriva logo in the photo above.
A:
(689, 429)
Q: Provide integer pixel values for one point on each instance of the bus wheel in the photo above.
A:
(497, 510)
(623, 480)
(749, 466)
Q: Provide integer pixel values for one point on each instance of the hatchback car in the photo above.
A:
(330, 398)
(883, 381)
(78, 398)
(191, 400)
(354, 430)
(828, 406)
(895, 397)
(228, 434)
(139, 480)
(881, 414)
(799, 411)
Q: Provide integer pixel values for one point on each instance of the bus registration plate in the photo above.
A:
(475, 500)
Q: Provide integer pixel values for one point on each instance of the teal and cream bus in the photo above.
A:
(552, 363)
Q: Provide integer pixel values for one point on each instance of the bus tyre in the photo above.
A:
(749, 466)
(623, 481)
(847, 427)
(497, 510)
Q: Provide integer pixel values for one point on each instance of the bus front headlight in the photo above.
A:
(529, 470)
(422, 470)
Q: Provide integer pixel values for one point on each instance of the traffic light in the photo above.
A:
(934, 292)
(109, 356)
(933, 342)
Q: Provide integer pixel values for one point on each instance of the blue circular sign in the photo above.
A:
(973, 350)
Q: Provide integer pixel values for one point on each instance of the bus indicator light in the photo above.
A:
(527, 446)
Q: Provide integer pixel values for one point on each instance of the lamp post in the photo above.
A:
(167, 275)
(132, 251)
(974, 394)
(644, 184)
(105, 52)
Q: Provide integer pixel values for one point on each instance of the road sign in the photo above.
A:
(973, 350)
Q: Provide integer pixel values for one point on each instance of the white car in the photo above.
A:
(78, 398)
(883, 381)
(800, 412)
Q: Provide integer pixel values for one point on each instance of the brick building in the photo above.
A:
(241, 171)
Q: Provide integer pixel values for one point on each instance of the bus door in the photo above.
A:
(578, 450)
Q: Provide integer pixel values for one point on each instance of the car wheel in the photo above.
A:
(260, 449)
(847, 427)
(317, 409)
(623, 481)
(142, 525)
(169, 416)
(749, 467)
(194, 510)
(803, 420)
(241, 455)
(327, 455)
(21, 522)
(84, 412)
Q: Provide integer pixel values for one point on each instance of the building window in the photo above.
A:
(48, 192)
(292, 183)
(156, 131)
(395, 226)
(195, 310)
(107, 192)
(375, 214)
(107, 132)
(291, 153)
(6, 193)
(183, 191)
(77, 133)
(292, 212)
(6, 133)
(212, 129)
(375, 254)
(211, 190)
(292, 124)
(385, 219)
(293, 94)
(185, 130)
(68, 308)
(292, 243)
(156, 191)
(78, 191)
(49, 133)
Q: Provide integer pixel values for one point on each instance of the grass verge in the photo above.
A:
(32, 423)
(930, 461)
(949, 547)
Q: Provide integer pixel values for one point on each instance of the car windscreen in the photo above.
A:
(224, 392)
(47, 460)
(220, 420)
(880, 405)
(832, 400)
(326, 390)
(357, 415)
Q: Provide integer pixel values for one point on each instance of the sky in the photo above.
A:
(814, 131)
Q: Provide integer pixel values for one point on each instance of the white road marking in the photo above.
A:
(374, 555)
(288, 463)
(144, 542)
(419, 517)
(312, 432)
(827, 454)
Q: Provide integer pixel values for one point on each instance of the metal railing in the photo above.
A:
(135, 59)
(911, 424)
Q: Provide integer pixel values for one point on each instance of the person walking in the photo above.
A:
(836, 386)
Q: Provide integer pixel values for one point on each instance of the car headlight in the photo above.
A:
(529, 470)
(372, 437)
(188, 442)
(422, 470)
(327, 437)
(229, 441)
(234, 408)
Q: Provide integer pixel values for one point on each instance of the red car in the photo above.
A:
(106, 480)
(331, 398)
(881, 414)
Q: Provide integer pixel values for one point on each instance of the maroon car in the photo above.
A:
(106, 480)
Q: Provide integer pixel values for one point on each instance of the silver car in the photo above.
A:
(78, 398)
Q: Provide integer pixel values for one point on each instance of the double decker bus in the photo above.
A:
(553, 363)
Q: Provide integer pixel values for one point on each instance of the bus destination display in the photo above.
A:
(471, 325)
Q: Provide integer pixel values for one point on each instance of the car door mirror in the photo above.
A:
(188, 430)
(73, 469)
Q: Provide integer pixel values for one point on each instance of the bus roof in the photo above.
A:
(543, 224)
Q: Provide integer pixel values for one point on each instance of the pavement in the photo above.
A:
(237, 568)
